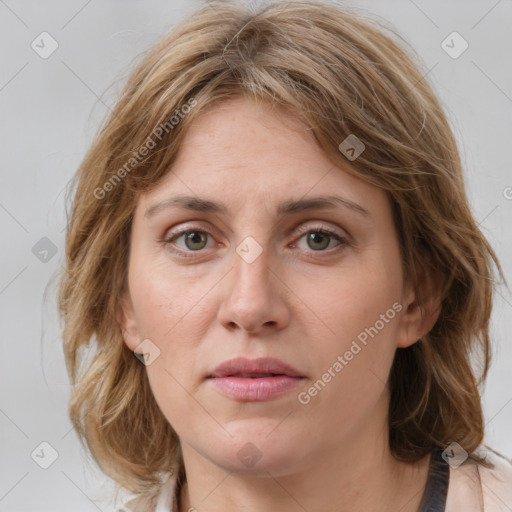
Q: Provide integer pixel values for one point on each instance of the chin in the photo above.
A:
(259, 449)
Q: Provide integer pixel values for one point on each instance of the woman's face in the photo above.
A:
(256, 278)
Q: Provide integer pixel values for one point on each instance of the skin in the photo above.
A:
(301, 301)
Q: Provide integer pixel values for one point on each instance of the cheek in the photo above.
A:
(175, 398)
(356, 313)
(170, 305)
(350, 298)
(172, 312)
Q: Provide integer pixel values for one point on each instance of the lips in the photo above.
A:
(254, 380)
(254, 368)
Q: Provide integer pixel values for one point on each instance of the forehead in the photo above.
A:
(242, 152)
(240, 133)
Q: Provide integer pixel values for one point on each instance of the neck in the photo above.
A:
(361, 475)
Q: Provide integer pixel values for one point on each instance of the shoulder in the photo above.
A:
(475, 487)
(497, 482)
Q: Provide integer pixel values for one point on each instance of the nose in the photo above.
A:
(254, 297)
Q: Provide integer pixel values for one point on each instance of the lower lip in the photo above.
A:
(254, 390)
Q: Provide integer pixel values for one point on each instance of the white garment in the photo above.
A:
(472, 487)
(168, 497)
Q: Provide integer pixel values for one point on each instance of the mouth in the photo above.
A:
(254, 380)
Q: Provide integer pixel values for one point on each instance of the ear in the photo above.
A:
(127, 322)
(421, 310)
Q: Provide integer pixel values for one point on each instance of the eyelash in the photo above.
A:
(319, 229)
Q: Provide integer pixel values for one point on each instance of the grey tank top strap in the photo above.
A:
(436, 490)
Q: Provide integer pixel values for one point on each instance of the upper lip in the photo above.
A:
(242, 365)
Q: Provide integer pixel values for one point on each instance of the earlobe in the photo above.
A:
(127, 322)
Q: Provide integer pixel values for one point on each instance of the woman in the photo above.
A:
(274, 221)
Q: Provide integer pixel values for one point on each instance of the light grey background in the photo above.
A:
(50, 110)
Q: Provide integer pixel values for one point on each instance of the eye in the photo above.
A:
(319, 239)
(193, 239)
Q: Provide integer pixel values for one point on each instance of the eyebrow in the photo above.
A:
(198, 204)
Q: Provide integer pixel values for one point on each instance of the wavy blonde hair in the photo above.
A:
(342, 75)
